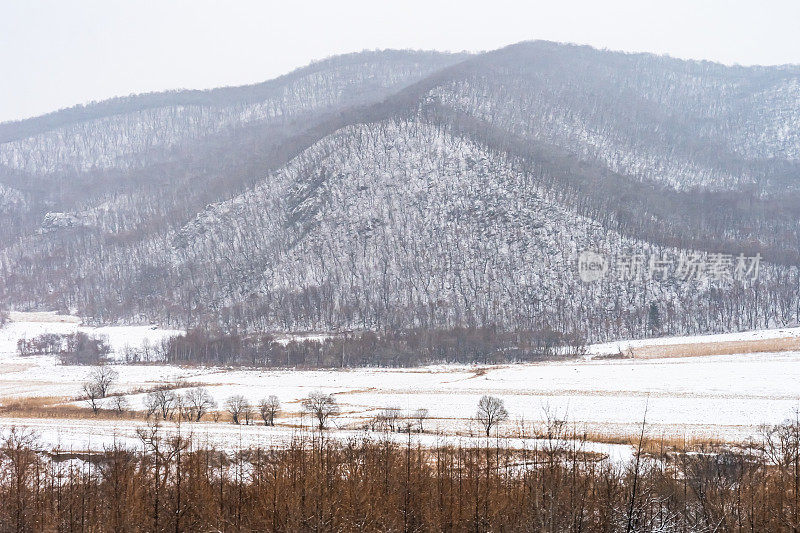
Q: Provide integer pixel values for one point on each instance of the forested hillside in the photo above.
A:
(399, 190)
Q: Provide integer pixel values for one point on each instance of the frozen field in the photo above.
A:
(723, 396)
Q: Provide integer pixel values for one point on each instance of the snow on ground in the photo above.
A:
(29, 325)
(42, 316)
(99, 435)
(720, 396)
(615, 347)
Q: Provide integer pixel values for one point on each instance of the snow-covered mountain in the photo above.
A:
(408, 189)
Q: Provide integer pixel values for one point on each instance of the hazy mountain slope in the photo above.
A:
(96, 145)
(161, 157)
(681, 123)
(107, 134)
(649, 146)
(399, 189)
(402, 222)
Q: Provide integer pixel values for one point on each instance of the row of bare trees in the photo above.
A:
(241, 410)
(491, 412)
(164, 403)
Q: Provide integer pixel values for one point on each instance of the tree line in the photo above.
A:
(368, 348)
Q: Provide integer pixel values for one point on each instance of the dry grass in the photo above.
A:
(52, 407)
(659, 446)
(650, 444)
(717, 348)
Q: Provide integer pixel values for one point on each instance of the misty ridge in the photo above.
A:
(405, 191)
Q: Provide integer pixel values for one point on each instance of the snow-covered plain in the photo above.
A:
(623, 346)
(721, 396)
(119, 338)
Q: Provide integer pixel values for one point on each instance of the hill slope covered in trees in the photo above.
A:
(397, 190)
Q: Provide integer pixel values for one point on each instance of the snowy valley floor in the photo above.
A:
(724, 397)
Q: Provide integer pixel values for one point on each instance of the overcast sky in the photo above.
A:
(58, 53)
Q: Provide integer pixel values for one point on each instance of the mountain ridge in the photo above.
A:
(13, 129)
(655, 151)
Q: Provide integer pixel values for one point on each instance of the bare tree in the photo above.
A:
(378, 423)
(491, 411)
(322, 406)
(91, 395)
(98, 385)
(182, 407)
(238, 407)
(199, 402)
(161, 402)
(150, 405)
(103, 378)
(420, 415)
(120, 404)
(391, 415)
(268, 408)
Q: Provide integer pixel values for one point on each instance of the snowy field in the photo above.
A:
(720, 396)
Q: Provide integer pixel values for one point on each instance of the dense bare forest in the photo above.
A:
(321, 484)
(405, 191)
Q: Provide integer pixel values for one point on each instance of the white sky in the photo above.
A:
(58, 53)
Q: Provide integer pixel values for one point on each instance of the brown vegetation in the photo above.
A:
(317, 484)
(52, 408)
(717, 348)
